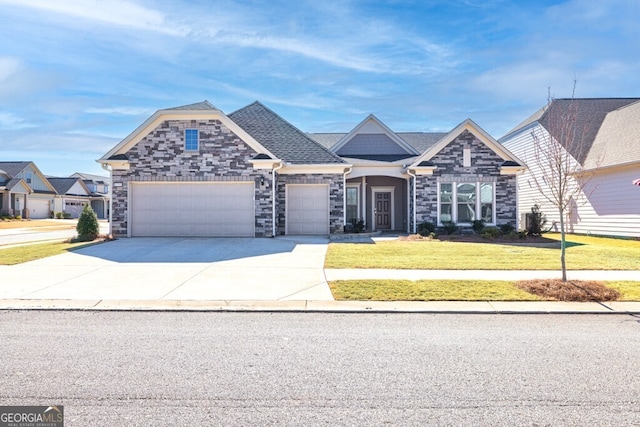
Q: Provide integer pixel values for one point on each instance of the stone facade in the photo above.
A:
(336, 198)
(221, 157)
(485, 167)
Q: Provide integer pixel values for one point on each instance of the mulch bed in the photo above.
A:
(475, 238)
(571, 290)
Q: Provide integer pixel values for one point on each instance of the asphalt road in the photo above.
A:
(196, 369)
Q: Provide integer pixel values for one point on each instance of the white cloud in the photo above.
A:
(10, 121)
(115, 12)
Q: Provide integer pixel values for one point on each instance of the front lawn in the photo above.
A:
(20, 254)
(449, 290)
(583, 253)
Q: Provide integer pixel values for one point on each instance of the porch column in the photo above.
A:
(363, 212)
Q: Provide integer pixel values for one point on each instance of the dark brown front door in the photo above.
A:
(383, 211)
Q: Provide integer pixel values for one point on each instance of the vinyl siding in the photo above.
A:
(609, 204)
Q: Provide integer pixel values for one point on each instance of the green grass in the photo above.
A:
(19, 254)
(448, 290)
(583, 253)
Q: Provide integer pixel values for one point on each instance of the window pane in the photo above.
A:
(446, 192)
(486, 193)
(352, 204)
(191, 139)
(486, 202)
(466, 196)
(445, 213)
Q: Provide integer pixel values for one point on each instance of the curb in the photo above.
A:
(382, 307)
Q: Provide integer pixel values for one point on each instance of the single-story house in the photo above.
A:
(605, 148)
(25, 191)
(196, 171)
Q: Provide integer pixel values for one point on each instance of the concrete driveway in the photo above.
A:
(277, 269)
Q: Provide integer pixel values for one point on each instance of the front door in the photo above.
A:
(383, 211)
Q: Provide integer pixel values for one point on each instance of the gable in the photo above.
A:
(373, 140)
(468, 135)
(198, 112)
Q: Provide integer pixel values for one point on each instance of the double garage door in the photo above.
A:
(206, 209)
(192, 209)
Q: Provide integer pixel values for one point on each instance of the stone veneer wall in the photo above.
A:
(222, 157)
(336, 198)
(485, 167)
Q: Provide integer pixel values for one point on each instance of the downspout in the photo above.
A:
(347, 171)
(107, 168)
(415, 216)
(273, 198)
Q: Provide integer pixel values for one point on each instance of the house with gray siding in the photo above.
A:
(196, 171)
(601, 142)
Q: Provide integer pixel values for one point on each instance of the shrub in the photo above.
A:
(426, 228)
(357, 226)
(59, 215)
(449, 227)
(491, 232)
(507, 228)
(18, 217)
(88, 227)
(537, 221)
(66, 215)
(477, 225)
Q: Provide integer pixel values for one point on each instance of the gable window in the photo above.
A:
(352, 204)
(29, 177)
(191, 139)
(464, 202)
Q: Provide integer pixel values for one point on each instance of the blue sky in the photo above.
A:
(77, 76)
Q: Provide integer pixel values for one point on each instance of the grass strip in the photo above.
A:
(450, 290)
(19, 254)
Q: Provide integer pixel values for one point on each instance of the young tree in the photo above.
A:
(88, 227)
(557, 154)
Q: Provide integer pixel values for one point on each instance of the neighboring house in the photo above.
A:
(195, 171)
(73, 194)
(25, 191)
(608, 149)
(99, 188)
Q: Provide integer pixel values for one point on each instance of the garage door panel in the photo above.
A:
(307, 209)
(192, 209)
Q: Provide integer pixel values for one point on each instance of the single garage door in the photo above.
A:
(307, 209)
(192, 209)
(39, 208)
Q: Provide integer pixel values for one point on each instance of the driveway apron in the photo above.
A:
(253, 269)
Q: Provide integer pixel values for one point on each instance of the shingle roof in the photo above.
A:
(62, 185)
(618, 140)
(420, 141)
(588, 114)
(13, 168)
(280, 137)
(198, 106)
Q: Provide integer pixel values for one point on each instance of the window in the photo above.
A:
(352, 204)
(29, 177)
(191, 139)
(466, 197)
(473, 200)
(446, 202)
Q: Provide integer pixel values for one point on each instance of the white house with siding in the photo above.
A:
(608, 150)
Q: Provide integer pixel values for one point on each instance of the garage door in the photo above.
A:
(307, 209)
(39, 208)
(192, 209)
